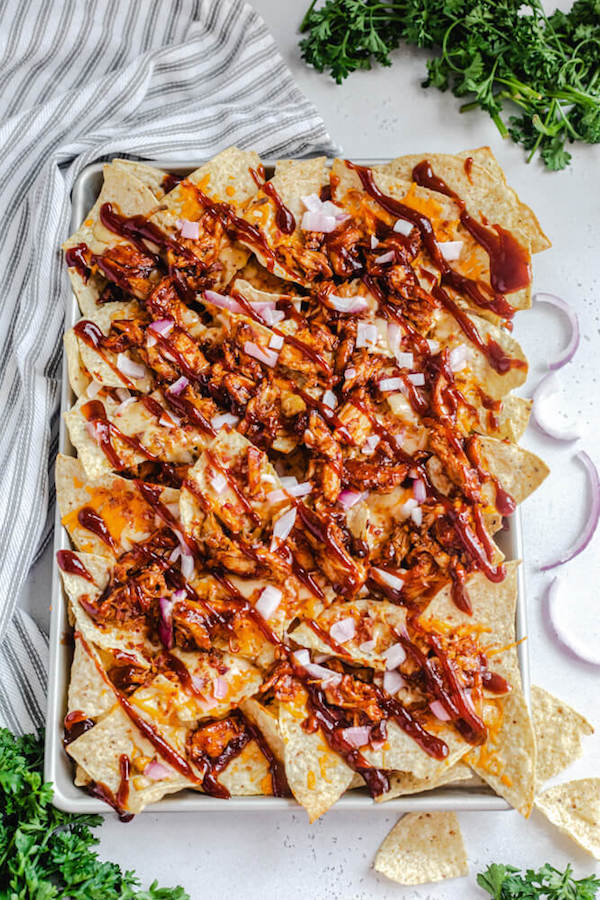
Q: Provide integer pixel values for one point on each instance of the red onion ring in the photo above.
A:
(567, 640)
(592, 521)
(546, 388)
(569, 352)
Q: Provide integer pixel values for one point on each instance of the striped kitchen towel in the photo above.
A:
(81, 82)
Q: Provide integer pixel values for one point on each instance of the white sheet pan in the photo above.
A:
(57, 766)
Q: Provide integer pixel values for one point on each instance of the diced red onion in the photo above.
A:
(348, 499)
(439, 712)
(179, 596)
(268, 312)
(296, 490)
(269, 600)
(548, 386)
(357, 735)
(156, 771)
(330, 209)
(374, 242)
(178, 386)
(284, 524)
(218, 482)
(187, 563)
(417, 378)
(123, 394)
(329, 399)
(366, 335)
(370, 444)
(403, 226)
(390, 384)
(572, 643)
(417, 516)
(393, 681)
(405, 509)
(394, 334)
(224, 301)
(189, 229)
(459, 357)
(220, 688)
(434, 346)
(175, 554)
(368, 646)
(219, 421)
(419, 490)
(404, 360)
(173, 509)
(593, 515)
(450, 249)
(385, 258)
(394, 656)
(301, 656)
(129, 367)
(394, 581)
(573, 343)
(348, 304)
(162, 326)
(150, 339)
(288, 481)
(343, 630)
(350, 373)
(263, 355)
(93, 388)
(318, 221)
(276, 341)
(322, 674)
(165, 622)
(312, 202)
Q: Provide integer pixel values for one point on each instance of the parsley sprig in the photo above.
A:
(491, 52)
(507, 883)
(45, 853)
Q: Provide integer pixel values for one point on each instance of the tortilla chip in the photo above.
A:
(574, 807)
(88, 691)
(266, 719)
(519, 471)
(98, 752)
(126, 515)
(507, 759)
(483, 188)
(402, 783)
(559, 731)
(316, 775)
(423, 848)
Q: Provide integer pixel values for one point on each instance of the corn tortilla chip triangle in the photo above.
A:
(423, 848)
(574, 807)
(559, 731)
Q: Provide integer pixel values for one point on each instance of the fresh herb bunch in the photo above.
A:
(507, 883)
(45, 853)
(490, 51)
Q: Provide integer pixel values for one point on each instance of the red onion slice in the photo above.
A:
(439, 712)
(263, 355)
(165, 622)
(569, 641)
(129, 367)
(187, 563)
(178, 386)
(591, 524)
(573, 343)
(548, 386)
(224, 301)
(162, 326)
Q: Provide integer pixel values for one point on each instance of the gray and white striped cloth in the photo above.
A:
(82, 80)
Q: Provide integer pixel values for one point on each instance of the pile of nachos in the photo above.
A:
(296, 439)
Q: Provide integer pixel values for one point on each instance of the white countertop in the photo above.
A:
(385, 113)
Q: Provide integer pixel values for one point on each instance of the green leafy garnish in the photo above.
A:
(507, 883)
(488, 51)
(45, 853)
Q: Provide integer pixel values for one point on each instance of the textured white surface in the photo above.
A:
(385, 113)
